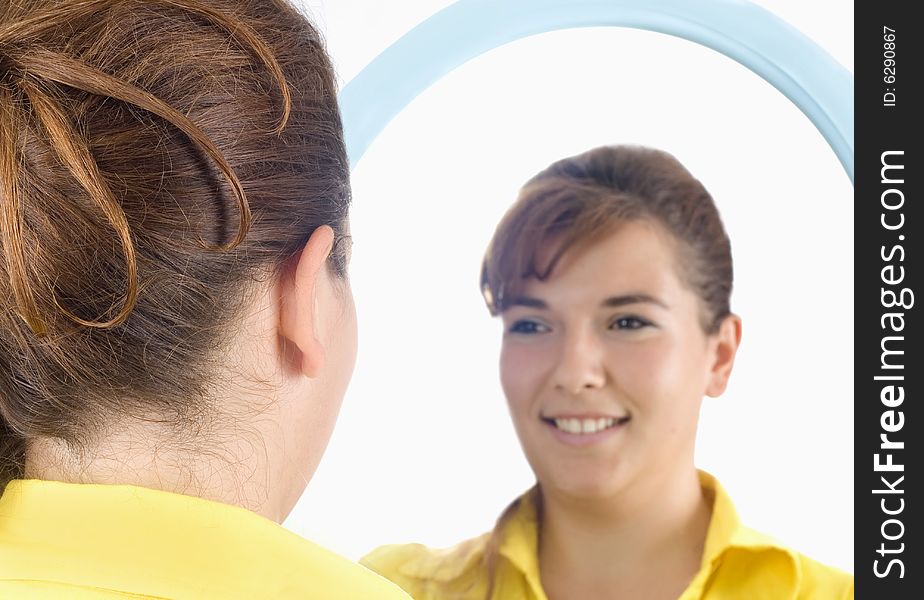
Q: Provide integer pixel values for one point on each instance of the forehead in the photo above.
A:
(634, 257)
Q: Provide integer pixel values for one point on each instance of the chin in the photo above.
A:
(590, 490)
(585, 484)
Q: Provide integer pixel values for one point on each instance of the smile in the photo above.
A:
(585, 426)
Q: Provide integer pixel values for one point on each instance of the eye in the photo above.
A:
(629, 323)
(527, 327)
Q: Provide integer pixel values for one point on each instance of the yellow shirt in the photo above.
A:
(63, 540)
(738, 563)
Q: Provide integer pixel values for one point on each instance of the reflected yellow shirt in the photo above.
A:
(738, 563)
(64, 540)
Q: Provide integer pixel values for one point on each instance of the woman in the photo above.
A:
(177, 328)
(612, 274)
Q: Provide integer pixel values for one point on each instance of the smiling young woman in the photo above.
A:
(612, 274)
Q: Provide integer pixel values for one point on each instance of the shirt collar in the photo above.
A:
(726, 530)
(144, 541)
(725, 533)
(520, 539)
(519, 544)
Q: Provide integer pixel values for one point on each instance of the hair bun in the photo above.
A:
(29, 76)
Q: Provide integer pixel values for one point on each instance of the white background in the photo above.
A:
(424, 450)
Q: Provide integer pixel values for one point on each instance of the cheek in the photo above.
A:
(511, 373)
(661, 374)
(521, 373)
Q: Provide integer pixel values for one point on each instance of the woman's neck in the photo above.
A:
(234, 471)
(647, 543)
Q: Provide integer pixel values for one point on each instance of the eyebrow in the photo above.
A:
(615, 301)
(611, 302)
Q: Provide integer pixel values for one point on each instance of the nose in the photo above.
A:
(580, 364)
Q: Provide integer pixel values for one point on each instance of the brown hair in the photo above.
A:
(577, 201)
(156, 159)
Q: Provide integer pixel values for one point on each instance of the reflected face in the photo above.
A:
(604, 365)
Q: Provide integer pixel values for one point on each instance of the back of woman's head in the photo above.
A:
(158, 158)
(578, 200)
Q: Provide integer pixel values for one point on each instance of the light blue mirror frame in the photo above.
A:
(749, 34)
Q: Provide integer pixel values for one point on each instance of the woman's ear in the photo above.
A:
(299, 316)
(725, 346)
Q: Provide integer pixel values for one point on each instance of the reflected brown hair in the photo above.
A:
(157, 159)
(576, 202)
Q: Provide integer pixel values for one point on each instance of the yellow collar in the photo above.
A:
(726, 530)
(154, 543)
(726, 533)
(725, 538)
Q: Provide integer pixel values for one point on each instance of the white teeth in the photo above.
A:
(565, 425)
(584, 426)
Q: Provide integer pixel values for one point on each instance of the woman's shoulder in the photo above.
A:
(760, 560)
(426, 572)
(819, 580)
(739, 560)
(65, 540)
